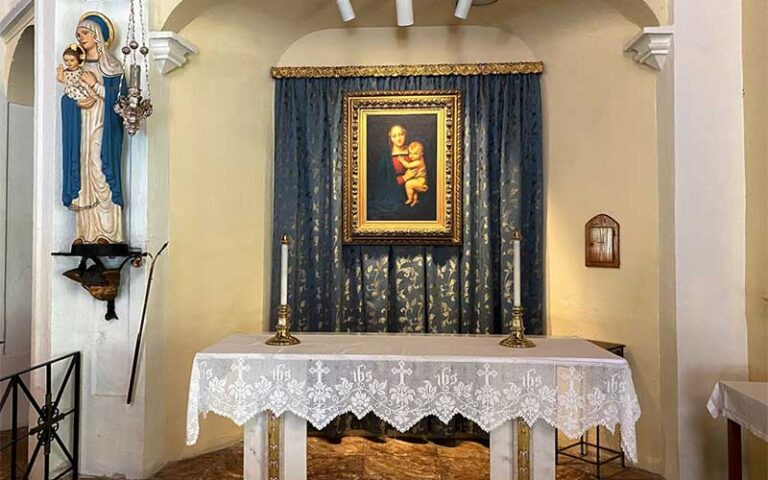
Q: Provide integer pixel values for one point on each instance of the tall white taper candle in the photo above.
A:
(516, 262)
(284, 271)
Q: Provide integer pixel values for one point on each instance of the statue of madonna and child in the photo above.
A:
(93, 138)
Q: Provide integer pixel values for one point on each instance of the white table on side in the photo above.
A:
(563, 383)
(744, 404)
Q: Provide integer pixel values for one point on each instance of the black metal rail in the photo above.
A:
(584, 447)
(45, 432)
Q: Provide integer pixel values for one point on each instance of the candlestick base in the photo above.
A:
(283, 335)
(516, 338)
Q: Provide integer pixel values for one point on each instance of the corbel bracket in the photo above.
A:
(169, 50)
(651, 46)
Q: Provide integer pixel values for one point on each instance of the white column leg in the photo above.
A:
(293, 449)
(504, 452)
(543, 451)
(255, 448)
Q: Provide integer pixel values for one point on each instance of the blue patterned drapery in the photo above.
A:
(465, 289)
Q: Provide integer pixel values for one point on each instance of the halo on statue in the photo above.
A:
(100, 18)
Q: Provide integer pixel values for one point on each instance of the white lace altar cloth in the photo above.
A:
(746, 403)
(569, 383)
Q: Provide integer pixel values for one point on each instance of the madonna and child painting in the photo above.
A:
(402, 168)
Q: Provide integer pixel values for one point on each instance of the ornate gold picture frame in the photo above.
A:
(402, 168)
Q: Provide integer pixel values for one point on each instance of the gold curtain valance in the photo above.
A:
(409, 70)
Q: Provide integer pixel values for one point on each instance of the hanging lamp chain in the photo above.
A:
(132, 106)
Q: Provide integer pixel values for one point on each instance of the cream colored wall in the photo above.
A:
(175, 14)
(600, 154)
(386, 46)
(755, 45)
(220, 199)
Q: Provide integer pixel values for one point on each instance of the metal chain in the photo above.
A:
(131, 36)
(144, 36)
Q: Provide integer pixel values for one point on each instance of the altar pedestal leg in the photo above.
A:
(293, 451)
(255, 458)
(270, 442)
(521, 453)
(543, 451)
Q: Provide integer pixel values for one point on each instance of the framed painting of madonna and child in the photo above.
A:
(402, 168)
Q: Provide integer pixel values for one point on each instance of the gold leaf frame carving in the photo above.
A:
(409, 70)
(447, 228)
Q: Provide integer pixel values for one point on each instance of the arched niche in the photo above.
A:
(16, 205)
(21, 73)
(320, 14)
(600, 145)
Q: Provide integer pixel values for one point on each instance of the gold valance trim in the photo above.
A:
(466, 69)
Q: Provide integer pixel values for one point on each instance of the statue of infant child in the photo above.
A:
(71, 71)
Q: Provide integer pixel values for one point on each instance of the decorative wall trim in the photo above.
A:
(20, 15)
(409, 70)
(651, 46)
(169, 50)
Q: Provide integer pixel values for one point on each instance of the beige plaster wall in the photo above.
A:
(601, 157)
(755, 51)
(175, 14)
(600, 154)
(415, 45)
(220, 199)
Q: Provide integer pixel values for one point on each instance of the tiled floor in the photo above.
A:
(5, 455)
(363, 459)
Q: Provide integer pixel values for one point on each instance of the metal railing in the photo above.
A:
(50, 413)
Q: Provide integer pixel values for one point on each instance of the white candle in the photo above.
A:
(284, 272)
(516, 262)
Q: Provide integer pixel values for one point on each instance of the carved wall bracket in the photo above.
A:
(100, 280)
(170, 50)
(652, 46)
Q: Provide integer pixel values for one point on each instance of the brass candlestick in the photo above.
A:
(516, 338)
(283, 331)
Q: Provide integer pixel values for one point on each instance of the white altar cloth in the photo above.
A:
(569, 383)
(746, 403)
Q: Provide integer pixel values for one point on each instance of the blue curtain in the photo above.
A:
(467, 289)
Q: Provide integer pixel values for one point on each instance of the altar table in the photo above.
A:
(744, 404)
(564, 383)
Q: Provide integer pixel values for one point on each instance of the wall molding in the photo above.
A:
(170, 50)
(20, 16)
(652, 46)
(464, 69)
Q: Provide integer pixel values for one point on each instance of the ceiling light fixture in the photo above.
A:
(345, 9)
(404, 13)
(462, 9)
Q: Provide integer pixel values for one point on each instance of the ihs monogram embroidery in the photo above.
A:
(570, 398)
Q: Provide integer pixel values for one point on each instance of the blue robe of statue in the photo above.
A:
(111, 146)
(92, 138)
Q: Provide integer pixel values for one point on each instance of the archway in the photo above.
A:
(176, 14)
(16, 211)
